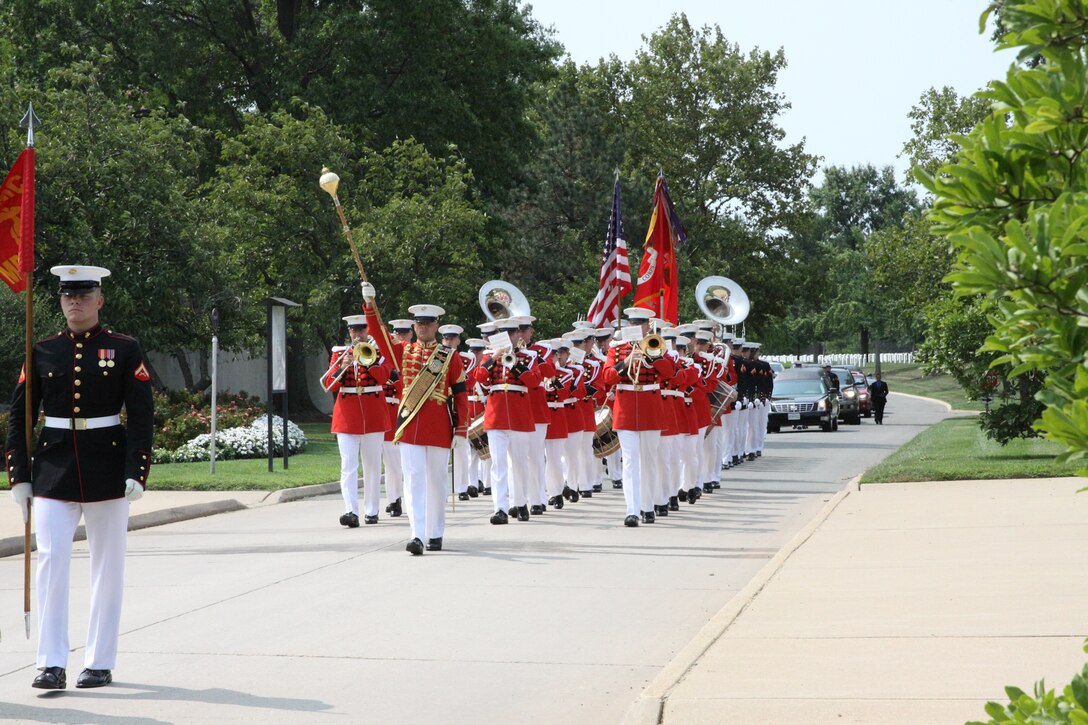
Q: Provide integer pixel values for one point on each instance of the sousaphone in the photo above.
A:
(500, 300)
(722, 300)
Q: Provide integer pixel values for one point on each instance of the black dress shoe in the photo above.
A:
(434, 544)
(631, 521)
(499, 517)
(682, 495)
(350, 520)
(661, 510)
(558, 503)
(51, 678)
(674, 503)
(512, 512)
(708, 487)
(415, 547)
(574, 497)
(370, 519)
(597, 488)
(523, 513)
(751, 456)
(617, 483)
(648, 517)
(94, 678)
(536, 510)
(569, 493)
(759, 454)
(487, 490)
(462, 496)
(715, 484)
(586, 494)
(695, 494)
(395, 509)
(473, 491)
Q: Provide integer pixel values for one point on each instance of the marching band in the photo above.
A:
(658, 410)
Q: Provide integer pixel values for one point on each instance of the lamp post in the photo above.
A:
(276, 352)
(215, 372)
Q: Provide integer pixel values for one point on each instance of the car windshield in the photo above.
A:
(859, 378)
(845, 379)
(798, 387)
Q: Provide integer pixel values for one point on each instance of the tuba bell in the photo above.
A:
(500, 299)
(722, 300)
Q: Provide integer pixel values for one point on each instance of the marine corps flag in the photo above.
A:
(658, 276)
(17, 222)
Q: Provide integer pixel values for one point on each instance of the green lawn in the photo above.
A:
(956, 449)
(319, 463)
(908, 378)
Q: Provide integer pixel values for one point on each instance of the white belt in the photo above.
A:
(561, 404)
(673, 393)
(392, 401)
(361, 391)
(476, 399)
(509, 388)
(687, 401)
(82, 423)
(638, 388)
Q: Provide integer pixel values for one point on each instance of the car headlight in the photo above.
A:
(850, 393)
(822, 405)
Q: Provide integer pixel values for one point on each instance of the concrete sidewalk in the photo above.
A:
(163, 507)
(914, 602)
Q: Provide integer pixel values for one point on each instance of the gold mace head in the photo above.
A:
(329, 181)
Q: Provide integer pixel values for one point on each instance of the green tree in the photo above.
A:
(1014, 204)
(935, 121)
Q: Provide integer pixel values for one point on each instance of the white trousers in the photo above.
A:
(555, 451)
(510, 467)
(475, 467)
(639, 470)
(755, 415)
(394, 471)
(462, 468)
(692, 461)
(369, 447)
(425, 479)
(668, 455)
(708, 440)
(761, 433)
(537, 464)
(55, 523)
(740, 431)
(614, 463)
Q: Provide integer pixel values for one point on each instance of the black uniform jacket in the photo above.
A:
(78, 376)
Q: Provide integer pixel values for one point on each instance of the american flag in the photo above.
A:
(615, 271)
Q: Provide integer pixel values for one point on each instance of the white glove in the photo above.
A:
(459, 442)
(133, 490)
(369, 292)
(21, 494)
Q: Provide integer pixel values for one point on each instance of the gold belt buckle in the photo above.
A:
(79, 424)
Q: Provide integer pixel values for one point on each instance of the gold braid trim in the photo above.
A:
(422, 388)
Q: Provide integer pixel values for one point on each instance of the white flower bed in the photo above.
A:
(249, 441)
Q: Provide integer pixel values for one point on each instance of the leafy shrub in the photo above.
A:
(180, 416)
(1070, 707)
(250, 441)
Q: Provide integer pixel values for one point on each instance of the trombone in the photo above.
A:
(363, 354)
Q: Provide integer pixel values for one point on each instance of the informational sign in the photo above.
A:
(279, 349)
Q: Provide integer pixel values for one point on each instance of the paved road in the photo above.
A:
(277, 614)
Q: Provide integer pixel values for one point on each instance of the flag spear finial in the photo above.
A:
(31, 121)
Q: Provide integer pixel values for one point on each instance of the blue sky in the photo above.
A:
(854, 68)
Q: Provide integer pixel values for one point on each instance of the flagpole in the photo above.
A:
(28, 391)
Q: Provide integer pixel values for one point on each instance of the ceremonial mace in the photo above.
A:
(330, 182)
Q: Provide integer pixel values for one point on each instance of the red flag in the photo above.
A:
(658, 276)
(17, 222)
(615, 282)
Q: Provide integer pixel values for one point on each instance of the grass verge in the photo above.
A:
(956, 449)
(908, 378)
(319, 463)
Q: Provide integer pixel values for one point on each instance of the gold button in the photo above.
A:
(50, 373)
(76, 396)
(105, 372)
(114, 442)
(145, 458)
(79, 356)
(75, 409)
(79, 344)
(79, 382)
(142, 468)
(86, 334)
(79, 369)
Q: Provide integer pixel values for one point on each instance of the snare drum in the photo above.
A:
(477, 438)
(605, 440)
(720, 399)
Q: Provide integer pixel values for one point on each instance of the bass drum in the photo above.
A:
(605, 440)
(477, 438)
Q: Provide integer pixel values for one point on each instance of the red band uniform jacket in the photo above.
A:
(509, 405)
(77, 376)
(360, 406)
(637, 408)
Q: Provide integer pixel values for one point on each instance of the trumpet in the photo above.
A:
(652, 346)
